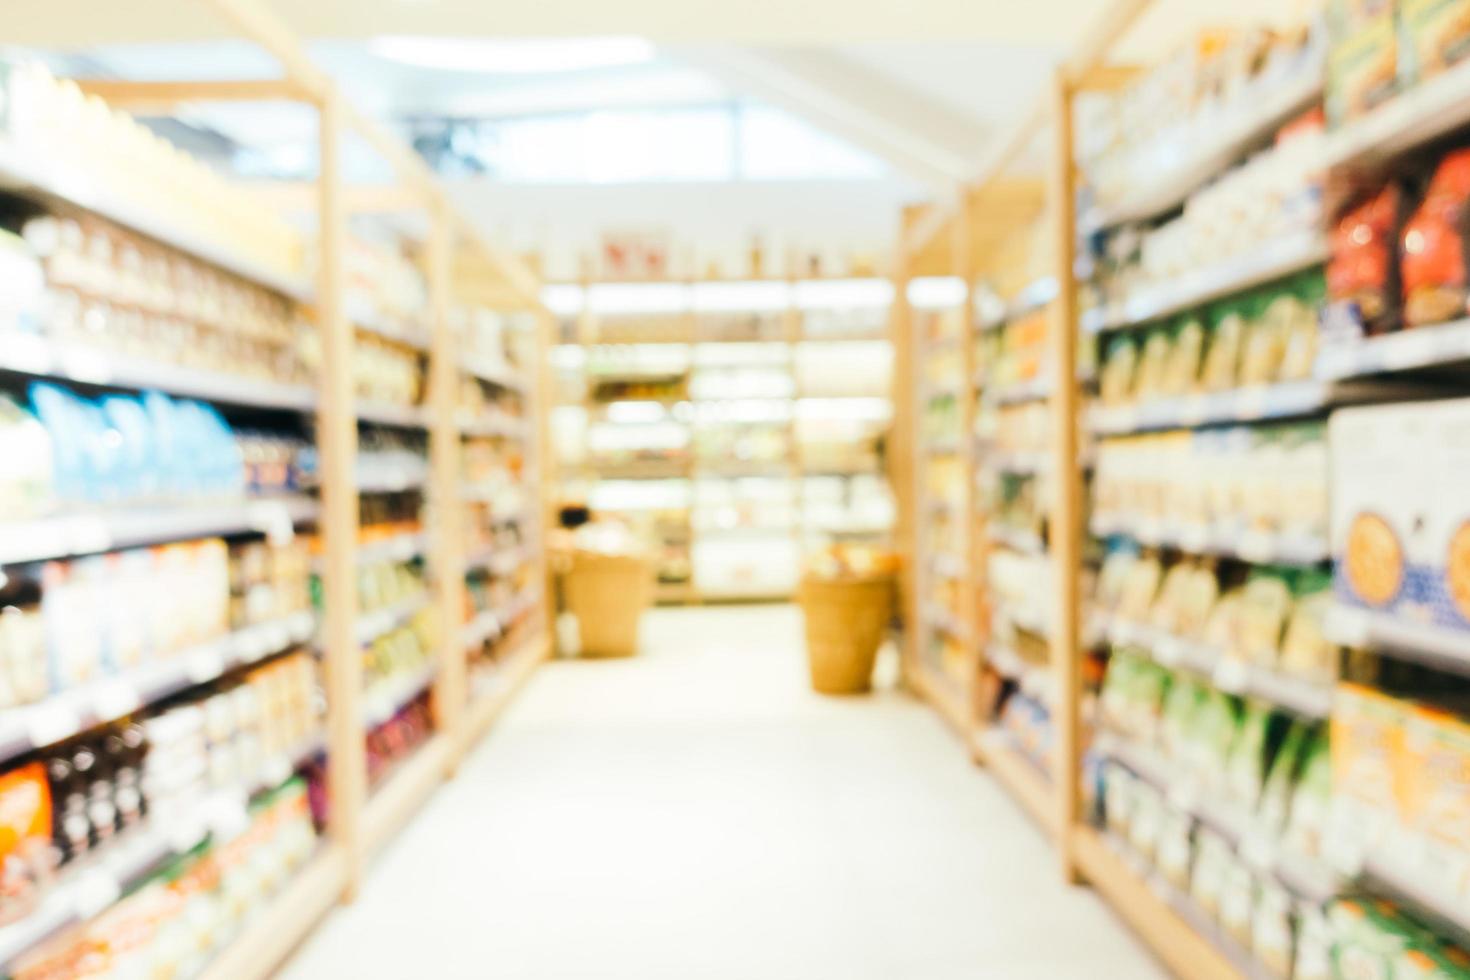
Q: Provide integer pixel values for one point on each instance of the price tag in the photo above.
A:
(1256, 547)
(251, 644)
(95, 891)
(86, 366)
(115, 699)
(1194, 537)
(1258, 848)
(276, 771)
(185, 833)
(204, 664)
(1231, 675)
(1168, 651)
(1251, 403)
(50, 722)
(1184, 795)
(1407, 349)
(27, 354)
(277, 636)
(88, 534)
(273, 519)
(1193, 410)
(226, 815)
(1347, 626)
(1345, 844)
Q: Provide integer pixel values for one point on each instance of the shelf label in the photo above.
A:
(1256, 547)
(1231, 675)
(1168, 651)
(1258, 848)
(27, 354)
(96, 890)
(49, 723)
(1347, 626)
(1184, 795)
(115, 699)
(1251, 403)
(205, 664)
(273, 519)
(276, 771)
(88, 534)
(1407, 349)
(86, 366)
(1193, 410)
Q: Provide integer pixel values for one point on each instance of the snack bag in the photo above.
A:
(1362, 274)
(1433, 245)
(1362, 61)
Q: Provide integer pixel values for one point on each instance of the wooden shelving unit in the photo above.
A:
(687, 324)
(360, 823)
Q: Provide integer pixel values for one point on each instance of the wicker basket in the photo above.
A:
(846, 619)
(607, 594)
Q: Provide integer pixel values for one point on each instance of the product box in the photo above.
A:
(1382, 462)
(1362, 59)
(1433, 35)
(1444, 555)
(1366, 741)
(1434, 792)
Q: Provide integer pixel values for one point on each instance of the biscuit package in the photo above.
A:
(1433, 35)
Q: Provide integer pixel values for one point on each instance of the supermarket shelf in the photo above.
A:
(1181, 173)
(1019, 463)
(404, 791)
(497, 561)
(493, 371)
(1016, 539)
(715, 470)
(505, 682)
(494, 425)
(642, 471)
(398, 416)
(490, 623)
(1019, 776)
(386, 698)
(87, 533)
(275, 771)
(32, 727)
(1253, 547)
(38, 357)
(943, 447)
(1035, 296)
(1441, 647)
(1306, 878)
(1033, 619)
(398, 548)
(366, 318)
(51, 181)
(946, 622)
(947, 565)
(371, 625)
(1263, 263)
(284, 921)
(670, 593)
(1414, 889)
(391, 480)
(1443, 345)
(1034, 390)
(1432, 108)
(1185, 950)
(940, 691)
(123, 864)
(1300, 696)
(1289, 399)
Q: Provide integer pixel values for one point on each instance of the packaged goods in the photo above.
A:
(1272, 928)
(1363, 273)
(1366, 735)
(1362, 60)
(1433, 35)
(1305, 650)
(26, 855)
(1312, 799)
(1434, 790)
(1434, 246)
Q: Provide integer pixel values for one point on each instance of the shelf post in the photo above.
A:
(540, 402)
(961, 261)
(904, 471)
(446, 507)
(337, 436)
(1066, 510)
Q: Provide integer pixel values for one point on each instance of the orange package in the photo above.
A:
(25, 839)
(1433, 244)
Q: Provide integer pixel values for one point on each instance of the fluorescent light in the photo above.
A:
(845, 294)
(638, 297)
(563, 299)
(742, 296)
(514, 57)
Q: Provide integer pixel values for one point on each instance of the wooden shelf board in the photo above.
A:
(1020, 777)
(514, 672)
(284, 922)
(391, 805)
(937, 691)
(1172, 939)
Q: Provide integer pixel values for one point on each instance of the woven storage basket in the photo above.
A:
(607, 594)
(846, 619)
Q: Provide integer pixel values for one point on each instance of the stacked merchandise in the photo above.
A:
(499, 473)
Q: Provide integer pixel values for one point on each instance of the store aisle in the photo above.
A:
(697, 813)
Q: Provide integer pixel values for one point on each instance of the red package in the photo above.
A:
(1434, 246)
(1362, 273)
(26, 859)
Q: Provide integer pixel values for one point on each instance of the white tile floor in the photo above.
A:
(697, 814)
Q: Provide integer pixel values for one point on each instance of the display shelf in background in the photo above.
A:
(1240, 544)
(1286, 400)
(1265, 263)
(1439, 647)
(404, 790)
(1432, 108)
(131, 526)
(1019, 776)
(38, 357)
(1442, 346)
(1034, 296)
